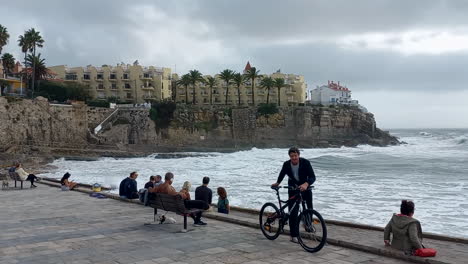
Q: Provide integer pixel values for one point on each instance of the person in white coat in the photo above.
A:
(24, 176)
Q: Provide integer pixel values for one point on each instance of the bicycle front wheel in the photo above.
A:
(312, 231)
(270, 221)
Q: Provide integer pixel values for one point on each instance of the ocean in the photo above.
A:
(364, 184)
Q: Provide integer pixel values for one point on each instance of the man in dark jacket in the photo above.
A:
(301, 175)
(203, 193)
(128, 187)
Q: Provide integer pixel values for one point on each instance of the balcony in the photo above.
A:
(149, 97)
(290, 91)
(146, 77)
(147, 88)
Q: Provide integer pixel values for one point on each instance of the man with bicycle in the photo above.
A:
(301, 176)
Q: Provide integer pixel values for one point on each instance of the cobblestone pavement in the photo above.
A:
(46, 225)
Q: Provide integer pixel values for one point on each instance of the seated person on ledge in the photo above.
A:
(128, 187)
(406, 230)
(66, 184)
(167, 188)
(151, 182)
(24, 176)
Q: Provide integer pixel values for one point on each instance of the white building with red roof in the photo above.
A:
(332, 93)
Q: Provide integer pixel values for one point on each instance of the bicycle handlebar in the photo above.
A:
(276, 188)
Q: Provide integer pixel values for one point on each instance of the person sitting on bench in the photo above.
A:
(128, 187)
(167, 188)
(24, 176)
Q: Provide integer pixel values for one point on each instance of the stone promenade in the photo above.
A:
(46, 225)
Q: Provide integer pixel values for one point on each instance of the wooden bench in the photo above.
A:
(171, 203)
(14, 176)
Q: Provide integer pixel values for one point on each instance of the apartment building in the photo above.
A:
(128, 83)
(293, 93)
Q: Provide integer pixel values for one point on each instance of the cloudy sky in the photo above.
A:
(406, 61)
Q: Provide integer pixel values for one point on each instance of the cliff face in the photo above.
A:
(37, 123)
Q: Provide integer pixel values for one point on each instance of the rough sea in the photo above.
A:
(364, 184)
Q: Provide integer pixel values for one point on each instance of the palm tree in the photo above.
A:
(4, 36)
(24, 43)
(185, 81)
(251, 75)
(33, 39)
(8, 62)
(226, 76)
(279, 83)
(211, 81)
(195, 77)
(39, 69)
(267, 83)
(238, 79)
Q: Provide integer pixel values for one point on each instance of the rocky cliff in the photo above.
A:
(37, 123)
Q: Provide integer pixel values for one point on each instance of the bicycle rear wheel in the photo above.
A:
(270, 221)
(312, 231)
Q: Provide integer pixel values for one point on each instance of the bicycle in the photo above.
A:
(312, 228)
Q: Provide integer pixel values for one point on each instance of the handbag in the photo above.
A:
(425, 252)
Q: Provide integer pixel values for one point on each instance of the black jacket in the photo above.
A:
(306, 173)
(128, 188)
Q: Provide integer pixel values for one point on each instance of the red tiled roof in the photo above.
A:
(247, 66)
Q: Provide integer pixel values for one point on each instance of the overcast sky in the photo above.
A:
(406, 61)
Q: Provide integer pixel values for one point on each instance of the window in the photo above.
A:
(129, 95)
(72, 77)
(125, 76)
(100, 76)
(101, 95)
(101, 86)
(112, 76)
(146, 75)
(114, 86)
(127, 86)
(86, 76)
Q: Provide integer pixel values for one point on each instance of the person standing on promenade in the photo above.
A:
(203, 193)
(406, 230)
(128, 187)
(301, 175)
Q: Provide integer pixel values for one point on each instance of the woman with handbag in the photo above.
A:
(406, 230)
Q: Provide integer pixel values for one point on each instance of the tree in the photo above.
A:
(34, 40)
(8, 62)
(4, 36)
(38, 68)
(226, 76)
(211, 82)
(185, 81)
(279, 83)
(267, 83)
(195, 77)
(238, 79)
(251, 75)
(24, 43)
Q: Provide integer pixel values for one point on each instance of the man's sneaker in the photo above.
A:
(294, 240)
(200, 223)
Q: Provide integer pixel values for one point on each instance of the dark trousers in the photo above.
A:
(293, 215)
(196, 204)
(31, 178)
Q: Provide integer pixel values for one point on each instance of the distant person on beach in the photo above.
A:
(128, 187)
(152, 180)
(66, 184)
(300, 175)
(24, 176)
(167, 188)
(223, 202)
(406, 230)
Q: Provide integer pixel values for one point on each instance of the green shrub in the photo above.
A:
(267, 109)
(57, 91)
(98, 103)
(162, 113)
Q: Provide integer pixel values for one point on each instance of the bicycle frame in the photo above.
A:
(297, 199)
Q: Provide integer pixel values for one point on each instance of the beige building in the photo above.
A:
(128, 83)
(293, 93)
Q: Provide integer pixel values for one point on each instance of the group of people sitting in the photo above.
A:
(203, 194)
